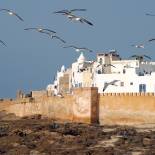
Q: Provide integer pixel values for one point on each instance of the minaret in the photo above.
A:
(81, 58)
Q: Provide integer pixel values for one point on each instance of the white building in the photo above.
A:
(111, 74)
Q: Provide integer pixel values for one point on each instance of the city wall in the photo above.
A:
(86, 105)
(127, 108)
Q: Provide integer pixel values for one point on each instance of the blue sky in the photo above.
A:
(30, 60)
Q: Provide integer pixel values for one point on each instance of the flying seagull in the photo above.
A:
(140, 57)
(78, 49)
(68, 11)
(12, 13)
(73, 17)
(110, 83)
(106, 65)
(3, 43)
(138, 46)
(49, 32)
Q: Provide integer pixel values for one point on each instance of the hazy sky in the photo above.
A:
(30, 60)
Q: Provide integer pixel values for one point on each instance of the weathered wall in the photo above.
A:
(129, 108)
(53, 107)
(77, 107)
(86, 105)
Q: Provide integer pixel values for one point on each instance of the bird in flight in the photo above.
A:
(140, 57)
(110, 83)
(12, 13)
(107, 65)
(78, 49)
(72, 17)
(68, 11)
(3, 43)
(49, 32)
(138, 46)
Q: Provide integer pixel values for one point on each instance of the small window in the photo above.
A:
(131, 83)
(142, 88)
(124, 71)
(122, 84)
(100, 61)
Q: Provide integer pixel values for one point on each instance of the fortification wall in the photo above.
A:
(52, 107)
(77, 107)
(127, 108)
(86, 105)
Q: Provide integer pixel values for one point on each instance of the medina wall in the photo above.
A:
(87, 106)
(127, 108)
(52, 107)
(76, 108)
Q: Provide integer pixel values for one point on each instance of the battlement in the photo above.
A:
(127, 94)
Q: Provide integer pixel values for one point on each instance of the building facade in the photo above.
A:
(109, 73)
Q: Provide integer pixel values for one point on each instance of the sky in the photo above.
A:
(30, 60)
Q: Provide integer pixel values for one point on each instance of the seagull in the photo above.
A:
(110, 83)
(148, 14)
(12, 13)
(138, 46)
(3, 43)
(49, 32)
(73, 17)
(78, 49)
(107, 65)
(69, 11)
(140, 57)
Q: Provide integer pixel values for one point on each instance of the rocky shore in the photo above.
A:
(36, 135)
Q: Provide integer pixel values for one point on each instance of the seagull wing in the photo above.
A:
(59, 39)
(150, 40)
(87, 49)
(148, 14)
(134, 56)
(49, 30)
(105, 86)
(2, 42)
(7, 10)
(77, 10)
(20, 18)
(86, 21)
(71, 46)
(112, 65)
(62, 12)
(30, 29)
(147, 57)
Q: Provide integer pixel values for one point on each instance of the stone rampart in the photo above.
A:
(86, 105)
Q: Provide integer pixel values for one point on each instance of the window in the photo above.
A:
(100, 61)
(124, 71)
(142, 88)
(122, 84)
(131, 83)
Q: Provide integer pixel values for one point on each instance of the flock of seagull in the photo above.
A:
(70, 14)
(52, 34)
